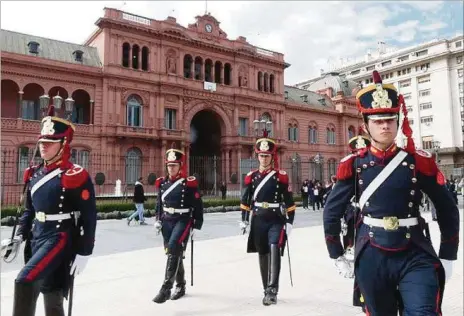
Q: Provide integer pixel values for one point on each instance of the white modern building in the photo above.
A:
(430, 77)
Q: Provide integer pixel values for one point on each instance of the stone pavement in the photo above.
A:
(124, 283)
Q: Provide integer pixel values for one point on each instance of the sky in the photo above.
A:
(312, 35)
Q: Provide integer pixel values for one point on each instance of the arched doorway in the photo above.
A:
(205, 150)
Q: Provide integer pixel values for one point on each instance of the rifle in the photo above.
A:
(71, 294)
(191, 259)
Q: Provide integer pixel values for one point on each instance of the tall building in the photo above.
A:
(138, 85)
(430, 77)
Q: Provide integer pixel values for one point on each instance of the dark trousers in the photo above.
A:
(176, 233)
(267, 233)
(317, 201)
(49, 263)
(304, 197)
(412, 274)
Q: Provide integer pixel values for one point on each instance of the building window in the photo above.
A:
(461, 101)
(427, 142)
(126, 55)
(331, 167)
(409, 109)
(133, 165)
(422, 53)
(243, 126)
(370, 68)
(23, 162)
(293, 133)
(427, 120)
(80, 157)
(425, 106)
(134, 111)
(407, 96)
(411, 121)
(423, 67)
(351, 132)
(227, 74)
(459, 59)
(424, 93)
(386, 63)
(170, 119)
(460, 72)
(272, 83)
(403, 58)
(423, 79)
(77, 115)
(355, 72)
(145, 54)
(312, 134)
(30, 110)
(458, 44)
(260, 81)
(405, 83)
(331, 135)
(135, 56)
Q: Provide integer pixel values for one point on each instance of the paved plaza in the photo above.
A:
(226, 279)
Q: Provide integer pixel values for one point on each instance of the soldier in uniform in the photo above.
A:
(58, 223)
(179, 210)
(265, 191)
(395, 265)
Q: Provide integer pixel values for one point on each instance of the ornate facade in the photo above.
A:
(141, 85)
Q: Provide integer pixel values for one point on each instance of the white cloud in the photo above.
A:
(433, 26)
(424, 5)
(308, 33)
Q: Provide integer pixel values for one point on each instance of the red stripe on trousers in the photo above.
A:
(281, 238)
(185, 233)
(42, 264)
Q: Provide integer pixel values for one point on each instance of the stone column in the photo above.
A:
(91, 114)
(239, 169)
(162, 153)
(139, 59)
(221, 81)
(192, 68)
(20, 105)
(212, 72)
(223, 164)
(226, 177)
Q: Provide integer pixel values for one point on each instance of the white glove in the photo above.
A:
(448, 266)
(192, 234)
(345, 267)
(288, 228)
(158, 225)
(79, 264)
(243, 225)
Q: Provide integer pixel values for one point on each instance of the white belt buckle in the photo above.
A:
(40, 216)
(170, 210)
(265, 205)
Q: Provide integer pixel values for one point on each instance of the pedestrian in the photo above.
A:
(58, 223)
(223, 189)
(395, 266)
(305, 194)
(179, 210)
(139, 198)
(266, 189)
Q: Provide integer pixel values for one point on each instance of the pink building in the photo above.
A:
(139, 85)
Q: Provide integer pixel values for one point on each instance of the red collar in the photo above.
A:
(265, 171)
(382, 154)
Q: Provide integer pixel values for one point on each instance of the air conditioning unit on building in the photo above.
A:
(210, 86)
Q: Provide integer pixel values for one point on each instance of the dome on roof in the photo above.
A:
(336, 82)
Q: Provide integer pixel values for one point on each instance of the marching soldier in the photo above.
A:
(58, 223)
(179, 210)
(395, 265)
(265, 191)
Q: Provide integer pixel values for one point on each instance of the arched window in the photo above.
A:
(208, 70)
(312, 137)
(218, 72)
(24, 157)
(126, 54)
(260, 81)
(272, 83)
(227, 74)
(293, 131)
(351, 132)
(135, 56)
(331, 135)
(266, 82)
(134, 111)
(133, 165)
(198, 68)
(188, 61)
(145, 54)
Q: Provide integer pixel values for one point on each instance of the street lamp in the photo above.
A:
(260, 126)
(436, 147)
(44, 102)
(68, 107)
(57, 101)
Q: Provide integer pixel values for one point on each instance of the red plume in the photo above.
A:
(51, 110)
(376, 77)
(407, 131)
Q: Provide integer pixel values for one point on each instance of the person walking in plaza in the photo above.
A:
(305, 194)
(395, 265)
(179, 210)
(266, 189)
(58, 223)
(223, 190)
(139, 198)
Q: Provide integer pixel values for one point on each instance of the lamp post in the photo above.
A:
(436, 148)
(44, 103)
(318, 159)
(68, 107)
(262, 125)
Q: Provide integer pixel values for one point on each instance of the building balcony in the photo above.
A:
(22, 125)
(131, 131)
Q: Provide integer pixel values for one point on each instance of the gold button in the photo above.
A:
(408, 235)
(411, 166)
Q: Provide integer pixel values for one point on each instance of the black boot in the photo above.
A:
(264, 268)
(25, 299)
(274, 272)
(53, 303)
(180, 282)
(172, 265)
